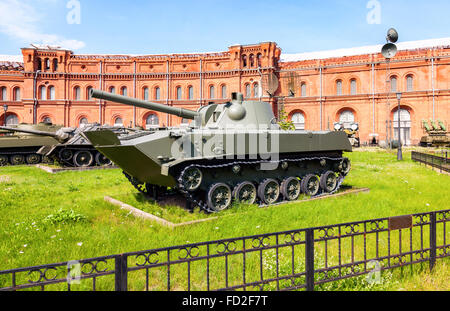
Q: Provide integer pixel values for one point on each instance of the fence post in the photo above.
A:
(309, 259)
(432, 240)
(121, 273)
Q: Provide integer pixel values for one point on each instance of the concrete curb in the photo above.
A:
(141, 214)
(73, 169)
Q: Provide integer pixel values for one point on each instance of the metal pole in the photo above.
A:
(399, 150)
(4, 116)
(432, 240)
(309, 259)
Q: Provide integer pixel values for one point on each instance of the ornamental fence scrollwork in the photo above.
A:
(282, 261)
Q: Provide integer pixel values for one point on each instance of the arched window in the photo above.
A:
(212, 92)
(118, 121)
(39, 63)
(11, 119)
(347, 118)
(224, 91)
(394, 84)
(3, 93)
(55, 64)
(179, 93)
(51, 92)
(190, 92)
(157, 93)
(244, 60)
(42, 92)
(251, 58)
(303, 90)
(299, 120)
(339, 87)
(256, 90)
(47, 119)
(405, 126)
(16, 94)
(353, 87)
(47, 64)
(112, 89)
(258, 59)
(248, 91)
(77, 93)
(151, 121)
(83, 121)
(409, 83)
(124, 91)
(88, 93)
(145, 93)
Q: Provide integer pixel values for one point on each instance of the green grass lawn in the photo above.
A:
(47, 218)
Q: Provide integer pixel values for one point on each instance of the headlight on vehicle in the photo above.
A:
(354, 127)
(337, 126)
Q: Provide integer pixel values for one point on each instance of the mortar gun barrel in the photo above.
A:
(180, 112)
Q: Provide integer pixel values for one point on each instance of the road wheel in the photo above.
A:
(65, 154)
(310, 185)
(345, 166)
(245, 193)
(219, 197)
(3, 160)
(101, 160)
(290, 188)
(328, 181)
(33, 159)
(83, 158)
(192, 178)
(269, 191)
(17, 159)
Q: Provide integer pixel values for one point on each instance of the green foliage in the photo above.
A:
(284, 122)
(64, 217)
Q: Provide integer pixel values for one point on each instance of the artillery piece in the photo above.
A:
(232, 152)
(68, 146)
(437, 134)
(19, 145)
(351, 130)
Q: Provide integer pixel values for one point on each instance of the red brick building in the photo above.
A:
(315, 90)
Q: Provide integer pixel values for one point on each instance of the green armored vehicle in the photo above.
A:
(69, 147)
(437, 135)
(232, 152)
(18, 147)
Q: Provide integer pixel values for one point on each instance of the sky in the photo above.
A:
(189, 26)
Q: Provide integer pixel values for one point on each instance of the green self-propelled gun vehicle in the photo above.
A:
(65, 145)
(19, 145)
(231, 152)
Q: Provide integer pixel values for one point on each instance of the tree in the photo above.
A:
(284, 122)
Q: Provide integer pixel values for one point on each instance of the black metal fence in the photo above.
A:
(290, 260)
(440, 163)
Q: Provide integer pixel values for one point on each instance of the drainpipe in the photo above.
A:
(168, 92)
(321, 95)
(35, 101)
(433, 86)
(201, 82)
(373, 98)
(101, 88)
(260, 83)
(134, 92)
